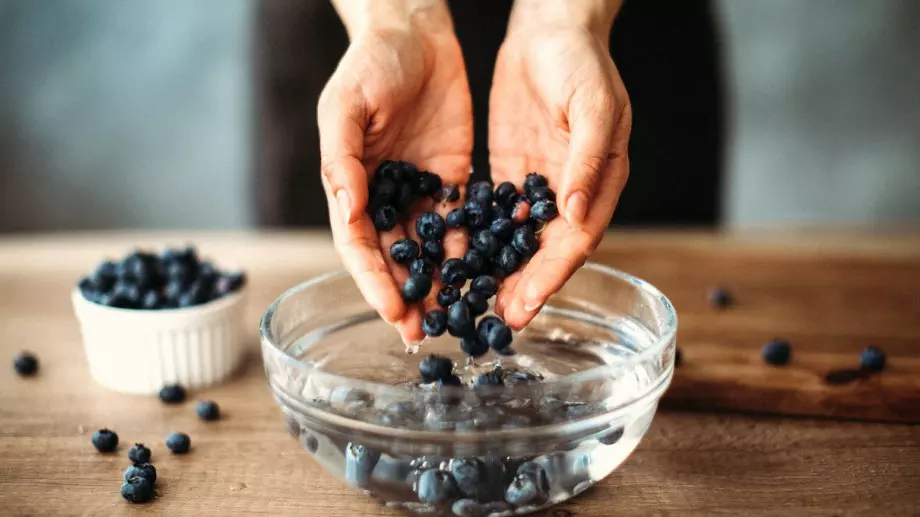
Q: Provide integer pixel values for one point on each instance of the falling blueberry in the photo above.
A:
(435, 323)
(416, 288)
(434, 368)
(448, 295)
(493, 331)
(477, 302)
(459, 319)
(472, 346)
(485, 285)
(872, 358)
(777, 352)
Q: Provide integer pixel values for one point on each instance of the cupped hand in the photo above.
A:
(558, 107)
(399, 93)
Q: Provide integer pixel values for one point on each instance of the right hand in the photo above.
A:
(399, 93)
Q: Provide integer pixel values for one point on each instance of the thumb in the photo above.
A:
(341, 116)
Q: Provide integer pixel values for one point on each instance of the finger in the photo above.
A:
(410, 327)
(342, 117)
(358, 246)
(505, 292)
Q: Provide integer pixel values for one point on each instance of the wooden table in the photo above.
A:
(690, 463)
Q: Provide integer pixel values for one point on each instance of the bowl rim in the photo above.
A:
(655, 387)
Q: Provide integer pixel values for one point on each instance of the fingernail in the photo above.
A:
(532, 299)
(576, 208)
(344, 201)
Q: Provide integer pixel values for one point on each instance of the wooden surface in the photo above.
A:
(822, 291)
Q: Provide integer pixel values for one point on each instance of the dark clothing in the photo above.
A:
(667, 54)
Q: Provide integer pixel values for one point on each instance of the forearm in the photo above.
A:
(361, 15)
(595, 16)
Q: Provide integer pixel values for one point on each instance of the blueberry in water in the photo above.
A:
(404, 251)
(506, 262)
(428, 184)
(430, 226)
(139, 454)
(172, 394)
(477, 215)
(485, 285)
(450, 193)
(416, 288)
(480, 191)
(493, 378)
(505, 193)
(468, 508)
(422, 266)
(448, 295)
(471, 345)
(383, 191)
(534, 180)
(25, 364)
(435, 323)
(137, 490)
(471, 477)
(544, 211)
(454, 272)
(719, 298)
(456, 218)
(777, 352)
(105, 440)
(151, 301)
(433, 251)
(477, 302)
(502, 227)
(359, 463)
(434, 368)
(435, 487)
(141, 469)
(207, 410)
(310, 443)
(450, 380)
(872, 358)
(343, 396)
(537, 194)
(494, 333)
(530, 486)
(405, 196)
(486, 243)
(474, 261)
(178, 443)
(612, 436)
(385, 218)
(459, 319)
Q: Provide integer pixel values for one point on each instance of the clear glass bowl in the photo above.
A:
(577, 397)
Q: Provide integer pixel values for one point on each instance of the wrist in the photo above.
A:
(360, 16)
(594, 16)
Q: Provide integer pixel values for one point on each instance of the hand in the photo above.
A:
(399, 93)
(558, 107)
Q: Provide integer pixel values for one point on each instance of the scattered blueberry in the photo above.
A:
(139, 454)
(534, 180)
(485, 285)
(416, 288)
(172, 394)
(433, 251)
(141, 469)
(422, 266)
(435, 323)
(105, 440)
(454, 272)
(544, 211)
(178, 443)
(448, 295)
(434, 368)
(450, 193)
(485, 243)
(872, 358)
(137, 490)
(459, 319)
(477, 302)
(359, 463)
(505, 193)
(472, 346)
(777, 352)
(207, 410)
(26, 364)
(435, 486)
(404, 251)
(428, 184)
(456, 218)
(385, 218)
(678, 357)
(719, 298)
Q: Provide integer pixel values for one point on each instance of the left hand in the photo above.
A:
(558, 107)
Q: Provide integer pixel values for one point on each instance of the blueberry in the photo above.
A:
(207, 410)
(430, 226)
(422, 266)
(172, 394)
(359, 464)
(141, 469)
(505, 193)
(390, 170)
(25, 364)
(477, 302)
(459, 319)
(416, 288)
(435, 486)
(506, 261)
(405, 196)
(428, 184)
(137, 490)
(228, 283)
(777, 352)
(493, 378)
(105, 440)
(472, 346)
(480, 191)
(450, 193)
(385, 218)
(404, 251)
(180, 271)
(178, 443)
(524, 240)
(537, 194)
(495, 333)
(434, 368)
(502, 227)
(477, 215)
(410, 172)
(196, 294)
(151, 301)
(678, 357)
(433, 251)
(343, 396)
(530, 486)
(383, 191)
(468, 508)
(454, 272)
(534, 180)
(719, 298)
(485, 285)
(139, 454)
(486, 243)
(474, 261)
(611, 436)
(544, 211)
(471, 477)
(448, 295)
(104, 276)
(872, 358)
(435, 323)
(456, 218)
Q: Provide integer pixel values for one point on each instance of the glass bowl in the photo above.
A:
(576, 398)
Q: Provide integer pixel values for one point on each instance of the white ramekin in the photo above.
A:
(138, 351)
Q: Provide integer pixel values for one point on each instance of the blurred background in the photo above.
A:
(182, 114)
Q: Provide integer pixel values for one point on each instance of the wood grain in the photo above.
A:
(691, 463)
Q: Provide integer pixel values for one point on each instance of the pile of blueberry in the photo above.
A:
(502, 224)
(176, 278)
